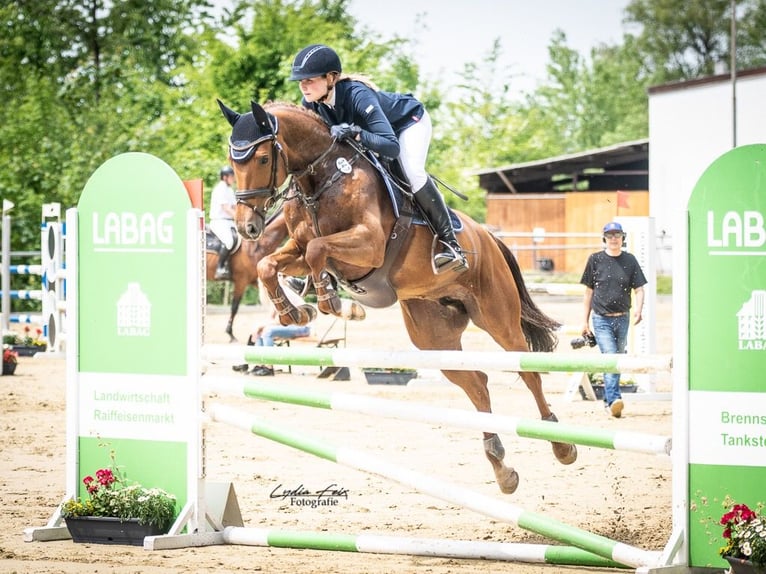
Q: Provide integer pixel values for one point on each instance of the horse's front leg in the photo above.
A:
(288, 257)
(362, 246)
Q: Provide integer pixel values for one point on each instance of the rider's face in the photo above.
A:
(313, 89)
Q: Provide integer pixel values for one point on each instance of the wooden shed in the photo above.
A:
(551, 211)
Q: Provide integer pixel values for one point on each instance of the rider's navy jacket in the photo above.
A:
(381, 115)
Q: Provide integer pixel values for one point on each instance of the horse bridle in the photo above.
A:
(236, 153)
(242, 153)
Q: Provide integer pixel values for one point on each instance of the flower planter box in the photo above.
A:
(28, 350)
(387, 377)
(108, 530)
(598, 390)
(739, 566)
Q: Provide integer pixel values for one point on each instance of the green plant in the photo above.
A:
(27, 338)
(109, 494)
(745, 533)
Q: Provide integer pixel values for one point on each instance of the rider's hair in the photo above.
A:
(359, 78)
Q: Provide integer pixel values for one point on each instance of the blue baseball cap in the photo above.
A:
(613, 226)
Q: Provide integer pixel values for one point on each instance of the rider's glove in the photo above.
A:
(345, 131)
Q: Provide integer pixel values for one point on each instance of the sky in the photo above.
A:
(455, 32)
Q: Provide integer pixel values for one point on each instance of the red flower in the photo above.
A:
(10, 356)
(88, 482)
(739, 514)
(105, 476)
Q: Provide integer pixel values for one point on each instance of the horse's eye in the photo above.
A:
(264, 160)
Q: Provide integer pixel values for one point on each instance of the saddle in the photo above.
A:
(213, 244)
(374, 289)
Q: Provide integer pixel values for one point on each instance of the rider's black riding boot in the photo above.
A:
(222, 271)
(430, 200)
(300, 285)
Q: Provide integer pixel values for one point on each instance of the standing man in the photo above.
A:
(609, 277)
(222, 206)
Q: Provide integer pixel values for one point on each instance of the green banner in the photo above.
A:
(135, 396)
(727, 344)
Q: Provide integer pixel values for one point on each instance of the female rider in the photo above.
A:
(390, 124)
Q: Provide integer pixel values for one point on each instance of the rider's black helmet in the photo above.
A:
(315, 60)
(226, 170)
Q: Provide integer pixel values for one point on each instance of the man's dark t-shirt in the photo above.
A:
(612, 279)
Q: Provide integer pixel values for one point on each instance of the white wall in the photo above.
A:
(690, 127)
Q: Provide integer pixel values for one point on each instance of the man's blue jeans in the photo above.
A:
(283, 332)
(612, 337)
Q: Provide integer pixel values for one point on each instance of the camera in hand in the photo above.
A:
(579, 342)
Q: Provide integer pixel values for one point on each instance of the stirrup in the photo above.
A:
(222, 273)
(450, 260)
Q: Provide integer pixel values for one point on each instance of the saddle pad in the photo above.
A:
(397, 197)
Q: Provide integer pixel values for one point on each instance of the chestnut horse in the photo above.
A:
(339, 216)
(243, 264)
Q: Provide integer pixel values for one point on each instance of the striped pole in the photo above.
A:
(375, 544)
(26, 294)
(443, 360)
(26, 318)
(483, 422)
(454, 494)
(26, 269)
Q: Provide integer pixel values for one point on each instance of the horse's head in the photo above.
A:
(257, 167)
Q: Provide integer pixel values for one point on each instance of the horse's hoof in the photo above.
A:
(564, 453)
(507, 480)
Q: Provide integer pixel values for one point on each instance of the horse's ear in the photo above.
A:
(262, 118)
(230, 115)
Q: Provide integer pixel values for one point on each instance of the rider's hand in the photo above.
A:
(344, 131)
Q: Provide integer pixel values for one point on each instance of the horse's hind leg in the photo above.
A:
(509, 335)
(434, 326)
(230, 325)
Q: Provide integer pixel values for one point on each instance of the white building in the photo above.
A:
(690, 125)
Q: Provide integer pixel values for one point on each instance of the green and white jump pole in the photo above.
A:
(443, 490)
(443, 360)
(408, 546)
(484, 422)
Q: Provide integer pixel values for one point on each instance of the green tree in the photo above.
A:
(686, 40)
(83, 81)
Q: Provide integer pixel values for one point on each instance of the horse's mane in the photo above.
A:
(276, 106)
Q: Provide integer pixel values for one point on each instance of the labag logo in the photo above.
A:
(736, 230)
(751, 323)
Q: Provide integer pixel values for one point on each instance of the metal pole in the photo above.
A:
(733, 66)
(6, 281)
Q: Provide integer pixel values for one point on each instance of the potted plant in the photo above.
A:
(116, 511)
(389, 376)
(28, 344)
(744, 531)
(597, 383)
(10, 360)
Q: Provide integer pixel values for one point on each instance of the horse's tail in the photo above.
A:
(538, 328)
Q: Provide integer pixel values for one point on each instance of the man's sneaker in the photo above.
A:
(262, 371)
(616, 408)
